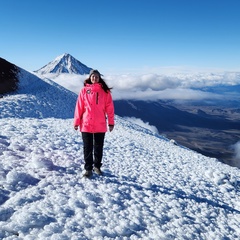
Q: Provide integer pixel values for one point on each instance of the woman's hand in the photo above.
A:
(76, 128)
(110, 127)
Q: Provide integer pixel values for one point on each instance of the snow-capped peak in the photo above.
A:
(65, 63)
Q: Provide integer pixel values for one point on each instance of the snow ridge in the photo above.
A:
(64, 63)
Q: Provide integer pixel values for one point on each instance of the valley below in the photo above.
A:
(213, 141)
(209, 142)
(208, 129)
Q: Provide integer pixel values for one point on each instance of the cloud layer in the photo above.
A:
(155, 86)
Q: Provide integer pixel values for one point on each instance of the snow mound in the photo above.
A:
(151, 188)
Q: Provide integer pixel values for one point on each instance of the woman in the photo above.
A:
(94, 108)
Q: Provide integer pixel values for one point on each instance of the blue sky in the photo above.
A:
(123, 36)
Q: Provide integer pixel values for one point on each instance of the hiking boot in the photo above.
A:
(88, 173)
(97, 171)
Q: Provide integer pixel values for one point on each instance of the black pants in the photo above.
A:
(93, 146)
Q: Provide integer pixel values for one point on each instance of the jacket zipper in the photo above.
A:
(97, 98)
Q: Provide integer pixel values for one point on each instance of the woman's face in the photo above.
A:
(94, 78)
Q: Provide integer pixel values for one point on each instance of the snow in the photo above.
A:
(151, 187)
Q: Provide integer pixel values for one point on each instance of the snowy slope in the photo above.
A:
(38, 99)
(64, 63)
(151, 188)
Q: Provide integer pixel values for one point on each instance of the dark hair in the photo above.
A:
(101, 81)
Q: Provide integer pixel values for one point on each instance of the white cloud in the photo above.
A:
(181, 80)
(177, 86)
(143, 82)
(174, 94)
(72, 82)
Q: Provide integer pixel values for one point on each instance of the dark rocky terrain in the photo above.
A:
(8, 76)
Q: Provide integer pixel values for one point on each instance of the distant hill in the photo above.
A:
(64, 63)
(168, 117)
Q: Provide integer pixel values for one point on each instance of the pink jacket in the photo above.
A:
(93, 108)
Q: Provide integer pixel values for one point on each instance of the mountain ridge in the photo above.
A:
(38, 98)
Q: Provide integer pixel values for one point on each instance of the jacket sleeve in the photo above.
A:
(79, 109)
(110, 109)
